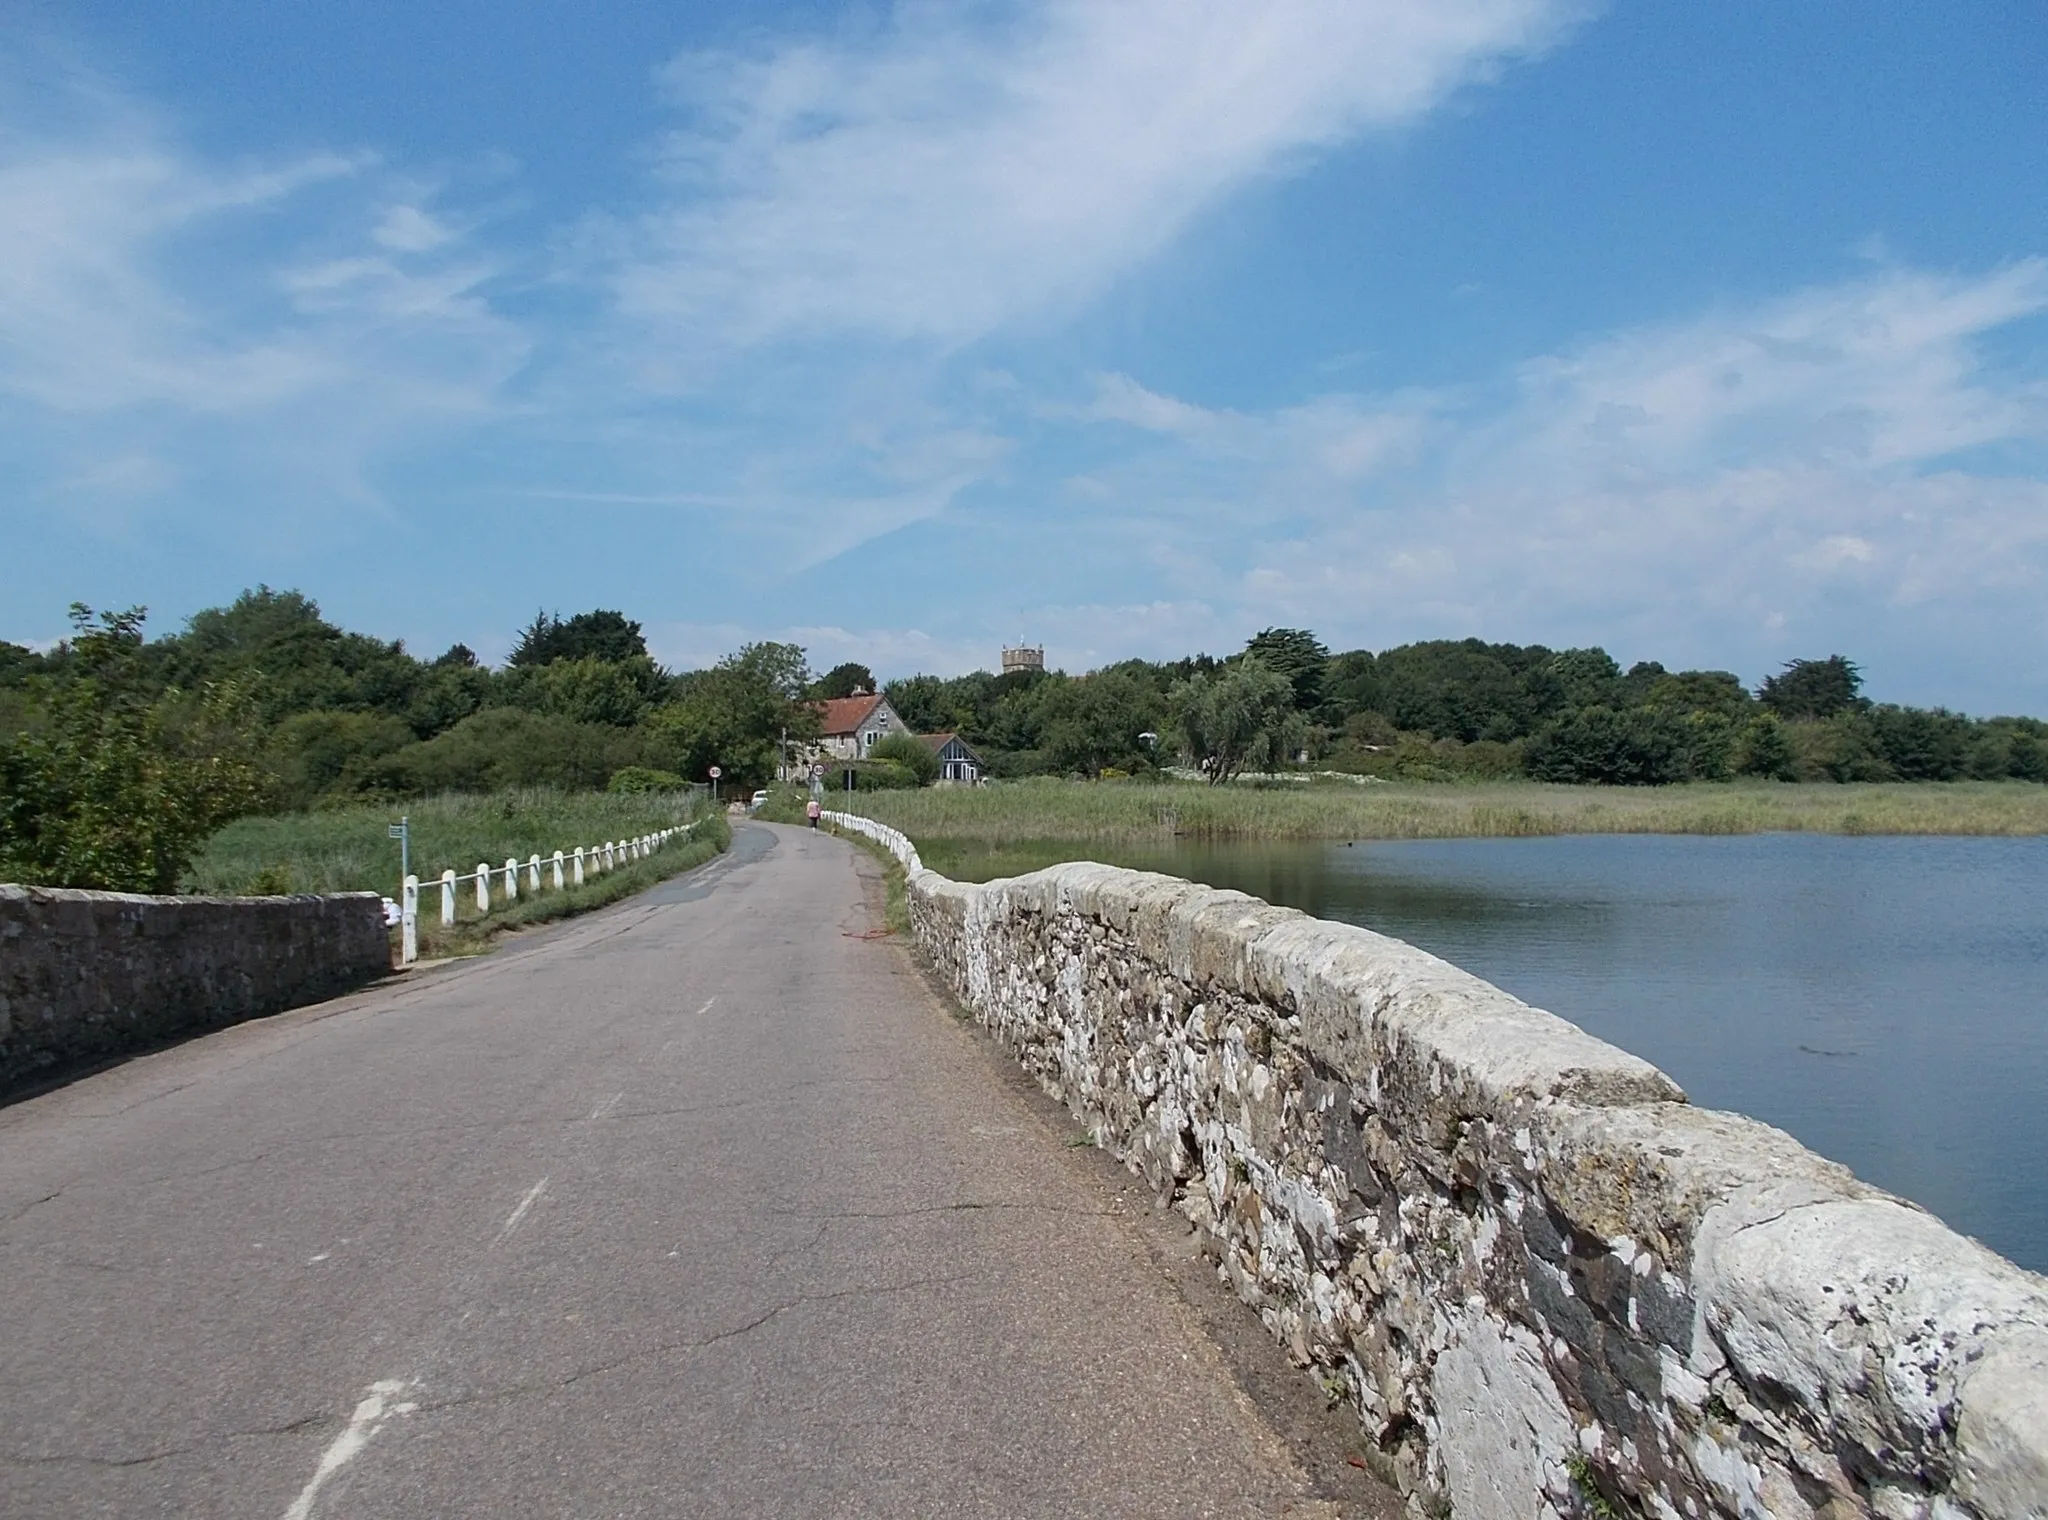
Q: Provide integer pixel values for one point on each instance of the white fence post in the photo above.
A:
(483, 886)
(512, 878)
(409, 922)
(447, 898)
(611, 858)
(557, 864)
(533, 872)
(579, 865)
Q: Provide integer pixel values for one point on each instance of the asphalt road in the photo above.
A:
(701, 1205)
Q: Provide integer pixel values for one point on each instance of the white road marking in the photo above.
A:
(520, 1213)
(607, 1106)
(707, 1006)
(376, 1407)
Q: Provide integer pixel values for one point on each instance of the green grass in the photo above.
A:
(347, 849)
(1050, 818)
(470, 934)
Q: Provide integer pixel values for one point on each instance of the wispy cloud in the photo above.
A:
(286, 323)
(955, 169)
(1731, 481)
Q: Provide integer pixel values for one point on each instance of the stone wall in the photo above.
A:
(1547, 1283)
(88, 975)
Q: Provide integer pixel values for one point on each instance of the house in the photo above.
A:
(851, 726)
(956, 761)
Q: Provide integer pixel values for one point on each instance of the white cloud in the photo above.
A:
(174, 324)
(1705, 488)
(956, 169)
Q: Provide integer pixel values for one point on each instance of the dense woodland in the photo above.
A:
(265, 704)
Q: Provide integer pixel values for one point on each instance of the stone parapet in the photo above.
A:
(85, 976)
(1547, 1283)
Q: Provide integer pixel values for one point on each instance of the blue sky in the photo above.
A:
(1712, 334)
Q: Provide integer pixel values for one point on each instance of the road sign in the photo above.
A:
(818, 772)
(716, 773)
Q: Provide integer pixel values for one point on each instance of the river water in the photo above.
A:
(1883, 999)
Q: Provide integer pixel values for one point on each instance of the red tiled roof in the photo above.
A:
(844, 715)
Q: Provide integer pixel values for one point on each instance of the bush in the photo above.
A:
(635, 779)
(907, 751)
(504, 747)
(319, 752)
(884, 776)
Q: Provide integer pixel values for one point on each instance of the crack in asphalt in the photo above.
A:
(32, 1205)
(82, 1459)
(553, 1386)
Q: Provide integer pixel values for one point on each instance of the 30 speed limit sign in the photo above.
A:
(716, 773)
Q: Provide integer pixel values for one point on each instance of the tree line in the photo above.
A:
(1451, 709)
(119, 753)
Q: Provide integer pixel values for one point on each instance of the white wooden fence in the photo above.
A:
(565, 868)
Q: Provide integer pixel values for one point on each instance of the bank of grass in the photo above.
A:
(1127, 812)
(348, 849)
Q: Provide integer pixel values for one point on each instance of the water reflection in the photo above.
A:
(1883, 999)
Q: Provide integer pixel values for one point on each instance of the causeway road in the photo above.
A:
(702, 1205)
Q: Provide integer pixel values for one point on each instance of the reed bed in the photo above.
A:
(1038, 811)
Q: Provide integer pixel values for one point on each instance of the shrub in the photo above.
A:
(907, 751)
(644, 778)
(884, 776)
(114, 789)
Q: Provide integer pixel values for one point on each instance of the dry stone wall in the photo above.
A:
(89, 975)
(1547, 1283)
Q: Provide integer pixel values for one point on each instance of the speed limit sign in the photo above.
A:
(817, 773)
(716, 773)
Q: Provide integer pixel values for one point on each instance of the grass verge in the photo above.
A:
(472, 935)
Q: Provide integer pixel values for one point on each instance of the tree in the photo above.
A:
(1243, 718)
(843, 681)
(1351, 684)
(1813, 688)
(117, 788)
(735, 715)
(1298, 655)
(1094, 722)
(589, 690)
(1701, 691)
(1587, 677)
(1764, 749)
(597, 635)
(1637, 747)
(276, 647)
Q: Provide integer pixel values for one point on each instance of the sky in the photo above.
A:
(1716, 335)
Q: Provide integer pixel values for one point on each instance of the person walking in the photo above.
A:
(812, 810)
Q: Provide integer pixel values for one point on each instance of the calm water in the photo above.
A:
(1885, 1000)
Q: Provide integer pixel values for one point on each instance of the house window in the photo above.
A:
(867, 740)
